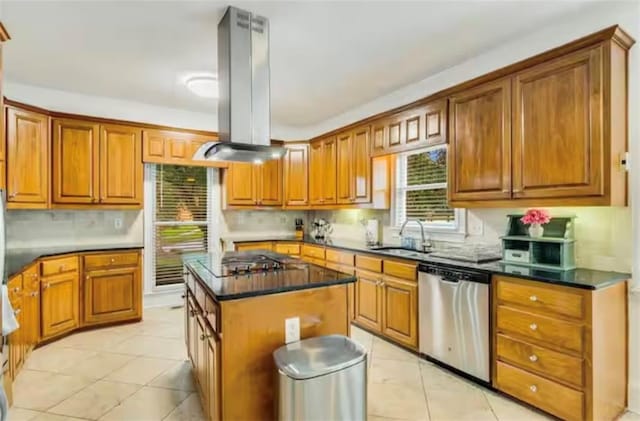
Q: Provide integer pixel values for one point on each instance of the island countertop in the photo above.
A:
(298, 275)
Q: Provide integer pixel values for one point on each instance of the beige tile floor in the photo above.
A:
(138, 372)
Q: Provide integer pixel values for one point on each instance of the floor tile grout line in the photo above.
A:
(424, 392)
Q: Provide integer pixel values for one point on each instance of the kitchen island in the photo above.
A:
(236, 305)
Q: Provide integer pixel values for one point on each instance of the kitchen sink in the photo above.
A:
(401, 251)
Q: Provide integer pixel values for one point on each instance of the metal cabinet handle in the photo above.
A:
(533, 326)
(533, 358)
(203, 337)
(533, 388)
(61, 268)
(45, 286)
(113, 260)
(34, 275)
(34, 294)
(17, 311)
(183, 296)
(533, 298)
(16, 289)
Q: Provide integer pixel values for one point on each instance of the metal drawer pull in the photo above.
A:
(533, 388)
(533, 358)
(45, 286)
(203, 337)
(533, 298)
(16, 289)
(113, 260)
(183, 296)
(533, 326)
(17, 311)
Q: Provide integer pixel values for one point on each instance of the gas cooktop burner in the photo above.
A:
(238, 265)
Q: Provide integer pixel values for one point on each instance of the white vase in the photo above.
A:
(536, 230)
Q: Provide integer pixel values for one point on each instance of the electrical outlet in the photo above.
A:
(291, 330)
(117, 223)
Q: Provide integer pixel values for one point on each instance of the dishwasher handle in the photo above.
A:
(449, 280)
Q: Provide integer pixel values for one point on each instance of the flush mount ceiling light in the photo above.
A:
(204, 86)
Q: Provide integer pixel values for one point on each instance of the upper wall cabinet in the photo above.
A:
(296, 175)
(27, 135)
(421, 126)
(174, 147)
(480, 142)
(551, 134)
(254, 185)
(354, 166)
(322, 171)
(96, 165)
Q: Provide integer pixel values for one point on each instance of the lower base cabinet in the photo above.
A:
(369, 300)
(400, 310)
(60, 305)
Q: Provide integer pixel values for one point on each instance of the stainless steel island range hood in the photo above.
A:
(244, 115)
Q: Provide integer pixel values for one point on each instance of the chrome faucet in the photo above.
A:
(425, 244)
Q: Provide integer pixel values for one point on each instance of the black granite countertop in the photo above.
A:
(17, 259)
(301, 275)
(577, 278)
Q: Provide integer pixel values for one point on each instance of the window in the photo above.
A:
(180, 218)
(421, 189)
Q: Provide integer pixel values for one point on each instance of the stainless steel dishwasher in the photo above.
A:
(454, 318)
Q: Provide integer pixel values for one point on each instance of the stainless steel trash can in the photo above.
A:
(322, 378)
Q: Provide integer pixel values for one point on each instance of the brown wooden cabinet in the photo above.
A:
(322, 171)
(175, 148)
(369, 300)
(479, 164)
(399, 310)
(213, 378)
(251, 185)
(112, 295)
(121, 170)
(75, 162)
(27, 137)
(98, 165)
(558, 129)
(354, 166)
(60, 303)
(31, 307)
(16, 338)
(296, 175)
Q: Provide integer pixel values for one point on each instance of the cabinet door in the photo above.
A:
(480, 142)
(316, 173)
(368, 300)
(435, 122)
(192, 349)
(31, 307)
(121, 170)
(75, 162)
(329, 163)
(379, 137)
(558, 132)
(213, 378)
(27, 159)
(296, 173)
(270, 183)
(60, 305)
(16, 345)
(202, 359)
(241, 184)
(112, 295)
(361, 162)
(400, 311)
(343, 171)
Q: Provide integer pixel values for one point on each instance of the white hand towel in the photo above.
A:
(9, 322)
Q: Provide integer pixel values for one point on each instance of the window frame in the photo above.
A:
(454, 231)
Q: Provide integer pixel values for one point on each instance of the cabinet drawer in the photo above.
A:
(317, 262)
(211, 313)
(400, 270)
(516, 256)
(59, 265)
(559, 400)
(200, 295)
(340, 268)
(539, 359)
(545, 329)
(93, 261)
(341, 257)
(292, 249)
(372, 264)
(536, 296)
(266, 245)
(313, 251)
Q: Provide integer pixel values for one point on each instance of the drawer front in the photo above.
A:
(93, 261)
(401, 270)
(559, 400)
(516, 256)
(372, 264)
(542, 360)
(340, 268)
(291, 249)
(552, 331)
(313, 251)
(211, 313)
(266, 245)
(533, 295)
(31, 280)
(201, 296)
(59, 265)
(314, 261)
(341, 257)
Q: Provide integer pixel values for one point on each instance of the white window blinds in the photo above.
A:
(180, 218)
(421, 188)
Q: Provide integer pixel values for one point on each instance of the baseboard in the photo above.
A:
(163, 299)
(634, 397)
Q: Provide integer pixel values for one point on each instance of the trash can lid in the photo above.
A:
(318, 356)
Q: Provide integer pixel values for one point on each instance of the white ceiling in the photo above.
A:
(326, 56)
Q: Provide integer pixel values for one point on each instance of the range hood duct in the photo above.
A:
(244, 115)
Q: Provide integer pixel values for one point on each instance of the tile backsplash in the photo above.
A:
(241, 224)
(35, 228)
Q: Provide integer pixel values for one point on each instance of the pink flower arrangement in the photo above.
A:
(536, 216)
